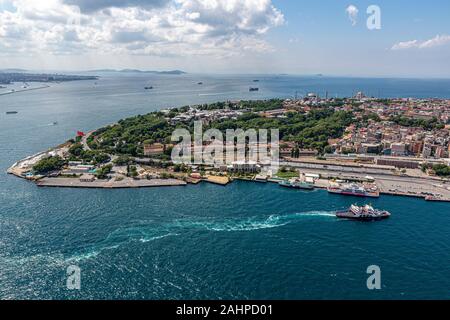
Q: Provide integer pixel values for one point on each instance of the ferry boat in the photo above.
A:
(295, 184)
(253, 89)
(366, 213)
(355, 190)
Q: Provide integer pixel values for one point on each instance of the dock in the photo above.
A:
(223, 181)
(414, 186)
(108, 184)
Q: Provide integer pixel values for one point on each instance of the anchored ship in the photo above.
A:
(296, 184)
(355, 190)
(366, 213)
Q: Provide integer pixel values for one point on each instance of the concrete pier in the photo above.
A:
(108, 184)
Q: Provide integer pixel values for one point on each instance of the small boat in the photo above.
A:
(256, 80)
(253, 89)
(148, 88)
(11, 112)
(200, 83)
(295, 184)
(55, 123)
(366, 213)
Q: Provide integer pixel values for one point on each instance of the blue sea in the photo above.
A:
(243, 241)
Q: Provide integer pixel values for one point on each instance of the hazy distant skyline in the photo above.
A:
(227, 36)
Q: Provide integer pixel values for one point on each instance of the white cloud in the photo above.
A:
(405, 45)
(95, 5)
(137, 27)
(439, 40)
(352, 12)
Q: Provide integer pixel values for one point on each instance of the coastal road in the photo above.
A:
(376, 176)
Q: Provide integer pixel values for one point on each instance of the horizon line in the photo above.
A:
(294, 74)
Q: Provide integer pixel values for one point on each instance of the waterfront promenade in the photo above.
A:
(413, 183)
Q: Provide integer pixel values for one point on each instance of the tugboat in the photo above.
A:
(366, 213)
(295, 184)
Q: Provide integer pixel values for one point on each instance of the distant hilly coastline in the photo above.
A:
(13, 70)
(171, 72)
(9, 76)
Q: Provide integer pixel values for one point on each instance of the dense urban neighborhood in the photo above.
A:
(7, 77)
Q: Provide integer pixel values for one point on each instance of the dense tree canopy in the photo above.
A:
(311, 130)
(430, 124)
(442, 170)
(48, 165)
(77, 152)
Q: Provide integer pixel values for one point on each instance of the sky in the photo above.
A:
(330, 37)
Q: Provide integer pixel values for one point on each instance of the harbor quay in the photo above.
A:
(168, 155)
(411, 183)
(321, 174)
(387, 184)
(108, 184)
